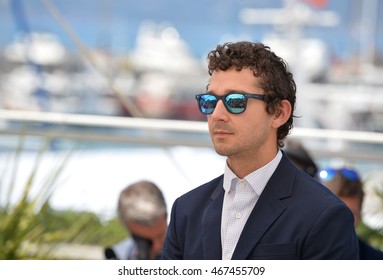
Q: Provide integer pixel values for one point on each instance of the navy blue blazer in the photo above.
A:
(295, 218)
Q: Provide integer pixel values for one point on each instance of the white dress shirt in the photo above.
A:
(239, 200)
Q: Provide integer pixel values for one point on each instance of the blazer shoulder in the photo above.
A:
(204, 189)
(201, 195)
(298, 185)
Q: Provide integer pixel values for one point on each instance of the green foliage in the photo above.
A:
(371, 236)
(30, 228)
(80, 227)
(373, 187)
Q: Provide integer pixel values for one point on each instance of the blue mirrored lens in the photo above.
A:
(236, 103)
(207, 103)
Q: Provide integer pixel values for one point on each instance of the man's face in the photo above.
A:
(245, 134)
(155, 233)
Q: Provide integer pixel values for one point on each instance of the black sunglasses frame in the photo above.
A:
(223, 98)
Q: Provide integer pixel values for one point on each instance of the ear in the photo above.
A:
(282, 114)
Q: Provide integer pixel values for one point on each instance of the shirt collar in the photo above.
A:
(256, 179)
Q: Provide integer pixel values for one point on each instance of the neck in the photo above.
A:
(243, 166)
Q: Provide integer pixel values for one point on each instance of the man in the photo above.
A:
(346, 184)
(262, 207)
(142, 210)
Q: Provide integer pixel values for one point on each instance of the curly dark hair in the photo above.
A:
(276, 80)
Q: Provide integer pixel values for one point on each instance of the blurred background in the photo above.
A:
(95, 95)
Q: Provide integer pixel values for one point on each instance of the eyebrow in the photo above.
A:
(230, 91)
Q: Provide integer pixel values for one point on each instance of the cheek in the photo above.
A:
(209, 122)
(252, 124)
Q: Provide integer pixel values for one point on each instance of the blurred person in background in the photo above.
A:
(348, 186)
(297, 153)
(142, 211)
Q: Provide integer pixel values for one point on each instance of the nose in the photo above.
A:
(220, 113)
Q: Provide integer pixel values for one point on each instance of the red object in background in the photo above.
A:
(317, 3)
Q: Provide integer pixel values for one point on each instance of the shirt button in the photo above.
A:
(238, 215)
(241, 185)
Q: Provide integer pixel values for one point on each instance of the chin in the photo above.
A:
(221, 151)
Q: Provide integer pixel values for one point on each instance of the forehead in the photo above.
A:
(232, 79)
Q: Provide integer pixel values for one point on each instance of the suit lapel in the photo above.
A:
(268, 208)
(211, 225)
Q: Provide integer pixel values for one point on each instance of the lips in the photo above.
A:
(220, 129)
(221, 132)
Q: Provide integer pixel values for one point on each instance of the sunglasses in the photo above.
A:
(234, 102)
(328, 174)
